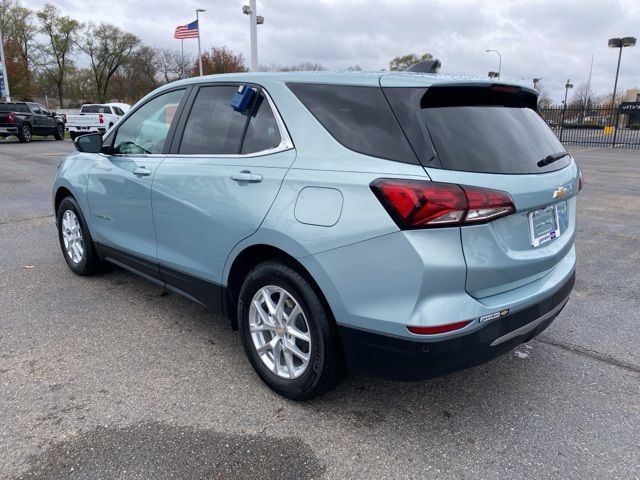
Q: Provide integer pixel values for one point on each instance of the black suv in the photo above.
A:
(25, 119)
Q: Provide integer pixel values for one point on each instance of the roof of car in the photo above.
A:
(407, 79)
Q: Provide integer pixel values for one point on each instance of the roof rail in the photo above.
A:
(425, 66)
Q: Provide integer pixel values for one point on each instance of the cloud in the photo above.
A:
(552, 39)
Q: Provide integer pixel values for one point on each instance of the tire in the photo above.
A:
(73, 135)
(324, 368)
(59, 133)
(25, 134)
(69, 215)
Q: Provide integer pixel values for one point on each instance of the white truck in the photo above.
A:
(94, 118)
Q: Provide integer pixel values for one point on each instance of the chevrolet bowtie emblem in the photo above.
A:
(559, 192)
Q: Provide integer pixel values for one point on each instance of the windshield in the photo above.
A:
(475, 129)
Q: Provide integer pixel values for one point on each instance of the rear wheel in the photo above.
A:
(59, 133)
(25, 134)
(73, 135)
(75, 239)
(287, 332)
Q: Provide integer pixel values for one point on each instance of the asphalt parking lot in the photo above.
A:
(111, 377)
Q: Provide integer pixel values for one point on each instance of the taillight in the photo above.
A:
(11, 118)
(100, 118)
(424, 204)
(449, 327)
(580, 181)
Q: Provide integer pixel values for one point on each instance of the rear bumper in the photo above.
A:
(9, 130)
(408, 359)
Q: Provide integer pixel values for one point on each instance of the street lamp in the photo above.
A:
(499, 61)
(198, 11)
(254, 21)
(619, 43)
(536, 83)
(567, 86)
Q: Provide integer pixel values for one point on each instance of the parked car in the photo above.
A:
(25, 119)
(94, 118)
(396, 224)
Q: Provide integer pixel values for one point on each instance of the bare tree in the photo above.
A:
(171, 65)
(583, 97)
(137, 76)
(61, 32)
(108, 48)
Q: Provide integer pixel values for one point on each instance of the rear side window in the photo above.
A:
(13, 107)
(214, 128)
(476, 129)
(358, 117)
(95, 109)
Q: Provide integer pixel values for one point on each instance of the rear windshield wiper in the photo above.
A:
(549, 159)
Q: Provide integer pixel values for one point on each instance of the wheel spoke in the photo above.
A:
(270, 345)
(295, 332)
(263, 315)
(280, 306)
(263, 327)
(290, 319)
(266, 295)
(293, 348)
(288, 359)
(277, 353)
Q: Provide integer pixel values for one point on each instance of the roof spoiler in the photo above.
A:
(425, 66)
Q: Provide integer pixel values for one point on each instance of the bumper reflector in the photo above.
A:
(434, 330)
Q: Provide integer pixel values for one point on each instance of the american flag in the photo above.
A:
(189, 30)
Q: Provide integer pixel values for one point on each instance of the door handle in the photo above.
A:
(142, 171)
(246, 176)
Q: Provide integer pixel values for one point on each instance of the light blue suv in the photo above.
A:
(397, 224)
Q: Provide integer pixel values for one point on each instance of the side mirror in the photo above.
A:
(53, 114)
(91, 143)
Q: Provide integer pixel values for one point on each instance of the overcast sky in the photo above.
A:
(552, 39)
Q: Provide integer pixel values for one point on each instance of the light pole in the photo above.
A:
(619, 43)
(499, 61)
(494, 75)
(567, 86)
(254, 21)
(198, 11)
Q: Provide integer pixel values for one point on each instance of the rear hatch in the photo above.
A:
(491, 136)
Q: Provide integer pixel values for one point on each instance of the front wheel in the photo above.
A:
(288, 333)
(25, 134)
(59, 133)
(75, 239)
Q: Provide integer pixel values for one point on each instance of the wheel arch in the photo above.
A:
(246, 260)
(62, 192)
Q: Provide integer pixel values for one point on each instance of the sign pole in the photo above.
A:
(5, 77)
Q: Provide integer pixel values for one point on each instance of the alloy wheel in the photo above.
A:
(72, 236)
(280, 332)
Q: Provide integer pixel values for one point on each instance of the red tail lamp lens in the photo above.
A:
(424, 204)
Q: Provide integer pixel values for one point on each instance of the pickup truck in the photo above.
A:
(94, 118)
(25, 119)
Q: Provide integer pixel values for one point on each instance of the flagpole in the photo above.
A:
(181, 57)
(198, 10)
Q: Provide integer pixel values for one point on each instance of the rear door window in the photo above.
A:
(476, 129)
(358, 117)
(215, 128)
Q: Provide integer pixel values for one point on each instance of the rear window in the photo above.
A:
(95, 109)
(358, 117)
(13, 107)
(476, 129)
